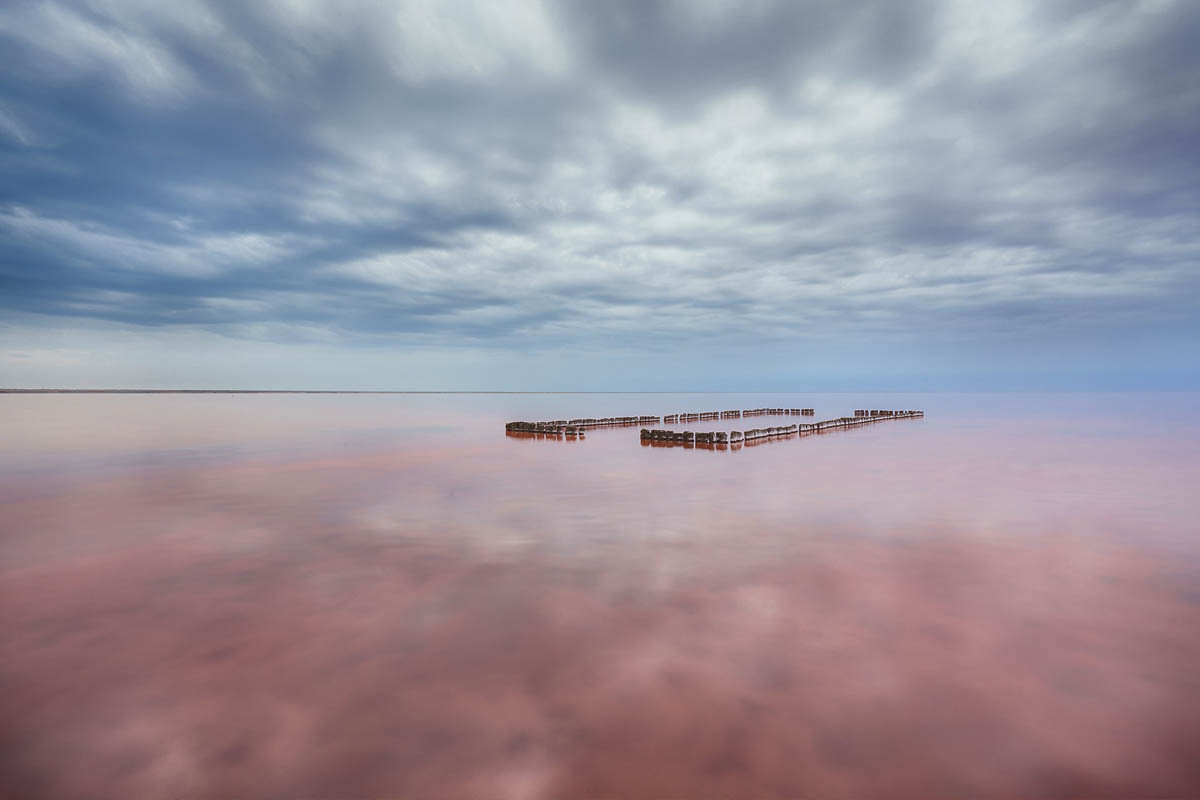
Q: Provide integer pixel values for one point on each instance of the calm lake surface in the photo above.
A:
(384, 595)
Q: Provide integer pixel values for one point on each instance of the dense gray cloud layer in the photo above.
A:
(977, 181)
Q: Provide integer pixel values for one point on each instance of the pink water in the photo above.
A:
(366, 596)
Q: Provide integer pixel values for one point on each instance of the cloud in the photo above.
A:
(529, 177)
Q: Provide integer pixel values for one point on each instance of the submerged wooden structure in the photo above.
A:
(669, 437)
(778, 412)
(575, 428)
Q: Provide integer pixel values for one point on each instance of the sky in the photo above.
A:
(628, 195)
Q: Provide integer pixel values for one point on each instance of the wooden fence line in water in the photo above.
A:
(575, 428)
(694, 438)
(760, 412)
(700, 417)
(546, 437)
(735, 414)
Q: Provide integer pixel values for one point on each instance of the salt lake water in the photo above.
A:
(384, 595)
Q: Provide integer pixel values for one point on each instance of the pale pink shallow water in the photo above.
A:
(368, 596)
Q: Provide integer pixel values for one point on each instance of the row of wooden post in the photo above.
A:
(717, 437)
(733, 437)
(699, 417)
(542, 429)
(576, 427)
(761, 412)
(735, 414)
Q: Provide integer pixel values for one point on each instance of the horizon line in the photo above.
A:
(591, 391)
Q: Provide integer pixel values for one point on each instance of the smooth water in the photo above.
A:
(385, 595)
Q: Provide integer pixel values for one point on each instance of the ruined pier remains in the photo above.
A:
(702, 416)
(692, 438)
(778, 412)
(576, 427)
(686, 436)
(734, 414)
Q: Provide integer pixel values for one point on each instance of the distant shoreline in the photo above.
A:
(299, 391)
(511, 391)
(351, 391)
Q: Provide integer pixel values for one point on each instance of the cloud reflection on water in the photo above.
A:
(864, 617)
